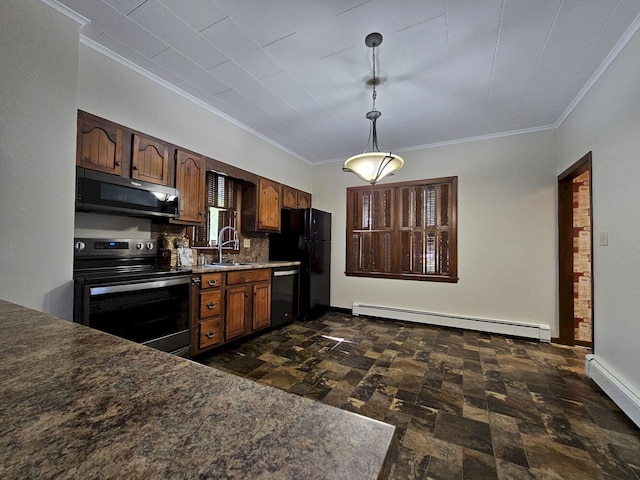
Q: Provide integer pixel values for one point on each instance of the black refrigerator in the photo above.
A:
(306, 236)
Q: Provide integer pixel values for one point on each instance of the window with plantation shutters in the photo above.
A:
(221, 200)
(403, 230)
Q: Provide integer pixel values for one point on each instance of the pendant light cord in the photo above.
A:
(374, 114)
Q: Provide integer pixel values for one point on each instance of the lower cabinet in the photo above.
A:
(210, 333)
(228, 305)
(236, 312)
(206, 309)
(248, 302)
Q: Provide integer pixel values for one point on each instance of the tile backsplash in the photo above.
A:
(175, 234)
(115, 226)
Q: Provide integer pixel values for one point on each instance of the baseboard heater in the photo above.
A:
(539, 332)
(628, 400)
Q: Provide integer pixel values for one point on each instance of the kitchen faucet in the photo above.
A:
(234, 241)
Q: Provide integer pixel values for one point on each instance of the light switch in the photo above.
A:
(246, 242)
(604, 239)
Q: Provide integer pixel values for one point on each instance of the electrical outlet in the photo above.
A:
(604, 239)
(246, 242)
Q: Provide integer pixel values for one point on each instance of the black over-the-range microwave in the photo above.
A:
(107, 193)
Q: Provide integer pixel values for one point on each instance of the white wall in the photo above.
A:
(607, 122)
(506, 231)
(110, 90)
(38, 87)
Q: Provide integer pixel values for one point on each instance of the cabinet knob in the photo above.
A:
(210, 334)
(212, 305)
(118, 164)
(135, 167)
(213, 282)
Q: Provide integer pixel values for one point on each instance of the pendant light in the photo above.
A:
(373, 165)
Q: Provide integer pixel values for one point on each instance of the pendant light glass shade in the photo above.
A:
(373, 165)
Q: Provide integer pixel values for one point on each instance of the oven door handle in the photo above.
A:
(132, 287)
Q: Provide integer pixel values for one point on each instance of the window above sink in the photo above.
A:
(221, 205)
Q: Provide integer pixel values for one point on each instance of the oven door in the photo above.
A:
(152, 312)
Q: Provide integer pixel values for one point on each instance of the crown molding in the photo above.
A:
(67, 12)
(457, 141)
(619, 46)
(156, 79)
(629, 33)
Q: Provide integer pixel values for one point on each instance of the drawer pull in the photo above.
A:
(212, 305)
(213, 283)
(210, 334)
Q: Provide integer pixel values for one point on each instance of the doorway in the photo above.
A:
(575, 251)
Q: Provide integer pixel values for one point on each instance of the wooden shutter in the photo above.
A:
(371, 220)
(404, 230)
(220, 192)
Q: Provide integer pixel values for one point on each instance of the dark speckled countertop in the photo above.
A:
(78, 403)
(226, 267)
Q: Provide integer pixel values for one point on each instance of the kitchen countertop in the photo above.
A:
(225, 267)
(79, 403)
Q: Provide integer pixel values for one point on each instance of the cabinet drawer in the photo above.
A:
(246, 276)
(211, 280)
(210, 332)
(210, 303)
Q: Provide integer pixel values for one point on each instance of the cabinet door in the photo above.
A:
(150, 160)
(190, 175)
(268, 205)
(304, 199)
(235, 312)
(289, 197)
(261, 305)
(99, 145)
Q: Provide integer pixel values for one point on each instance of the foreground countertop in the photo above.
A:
(79, 403)
(225, 267)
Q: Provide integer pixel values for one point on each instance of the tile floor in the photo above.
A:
(467, 405)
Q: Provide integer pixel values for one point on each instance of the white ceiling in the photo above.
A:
(295, 71)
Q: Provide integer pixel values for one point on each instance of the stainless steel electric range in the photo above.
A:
(120, 289)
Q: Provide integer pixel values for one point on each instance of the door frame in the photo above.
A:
(566, 311)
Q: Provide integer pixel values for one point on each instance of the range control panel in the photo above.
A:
(117, 247)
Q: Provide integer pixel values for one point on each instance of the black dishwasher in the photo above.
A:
(285, 296)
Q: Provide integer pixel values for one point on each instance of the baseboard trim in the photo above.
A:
(603, 375)
(539, 332)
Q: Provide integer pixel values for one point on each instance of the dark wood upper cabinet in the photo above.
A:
(261, 206)
(293, 198)
(289, 197)
(190, 179)
(304, 199)
(99, 145)
(150, 160)
(268, 205)
(111, 148)
(119, 150)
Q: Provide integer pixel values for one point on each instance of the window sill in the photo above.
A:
(404, 276)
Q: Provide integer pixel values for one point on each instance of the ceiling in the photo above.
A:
(296, 71)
